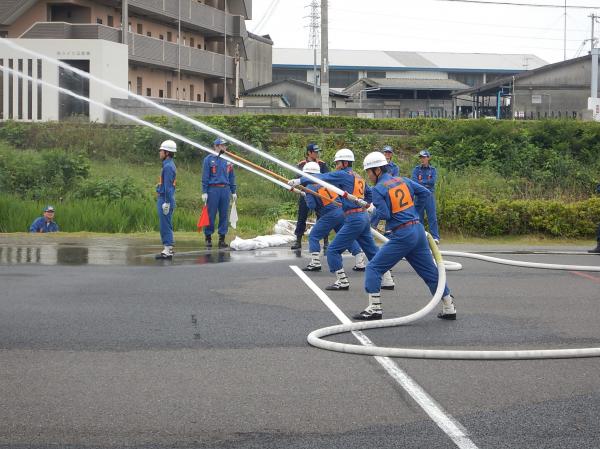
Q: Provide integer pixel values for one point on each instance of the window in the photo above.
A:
(199, 46)
(29, 90)
(149, 33)
(184, 41)
(110, 21)
(129, 27)
(20, 91)
(148, 92)
(140, 28)
(129, 86)
(161, 37)
(139, 85)
(169, 36)
(198, 97)
(169, 89)
(183, 97)
(99, 21)
(39, 90)
(191, 92)
(161, 93)
(192, 42)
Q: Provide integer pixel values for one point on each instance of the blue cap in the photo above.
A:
(312, 147)
(219, 141)
(49, 209)
(388, 149)
(424, 153)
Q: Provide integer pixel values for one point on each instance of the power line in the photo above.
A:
(533, 5)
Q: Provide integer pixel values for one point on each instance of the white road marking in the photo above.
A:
(439, 416)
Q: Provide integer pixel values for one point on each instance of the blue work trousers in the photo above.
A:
(333, 220)
(218, 201)
(165, 222)
(411, 243)
(428, 207)
(356, 228)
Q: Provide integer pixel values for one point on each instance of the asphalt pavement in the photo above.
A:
(103, 347)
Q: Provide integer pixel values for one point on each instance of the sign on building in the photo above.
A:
(536, 99)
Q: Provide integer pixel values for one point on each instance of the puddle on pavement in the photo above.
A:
(49, 250)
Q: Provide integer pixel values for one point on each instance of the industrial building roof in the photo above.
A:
(273, 88)
(412, 84)
(407, 60)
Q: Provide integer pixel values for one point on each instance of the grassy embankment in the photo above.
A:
(496, 179)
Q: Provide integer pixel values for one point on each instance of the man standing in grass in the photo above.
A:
(312, 155)
(388, 152)
(218, 182)
(426, 175)
(166, 197)
(45, 223)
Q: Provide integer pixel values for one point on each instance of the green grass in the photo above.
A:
(260, 203)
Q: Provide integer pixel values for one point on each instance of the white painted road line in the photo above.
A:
(443, 420)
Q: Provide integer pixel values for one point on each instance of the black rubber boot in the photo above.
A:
(209, 241)
(298, 244)
(222, 243)
(596, 250)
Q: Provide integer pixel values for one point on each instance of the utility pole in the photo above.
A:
(594, 53)
(313, 42)
(225, 55)
(237, 75)
(125, 22)
(565, 35)
(179, 50)
(594, 17)
(324, 59)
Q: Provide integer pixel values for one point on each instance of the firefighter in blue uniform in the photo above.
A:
(356, 221)
(393, 198)
(45, 223)
(331, 218)
(388, 152)
(312, 155)
(165, 203)
(426, 175)
(218, 183)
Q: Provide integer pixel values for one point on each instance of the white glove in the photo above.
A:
(205, 197)
(234, 197)
(166, 207)
(294, 182)
(371, 209)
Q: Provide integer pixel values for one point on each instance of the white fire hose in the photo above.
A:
(316, 338)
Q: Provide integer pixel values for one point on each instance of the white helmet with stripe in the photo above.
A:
(344, 155)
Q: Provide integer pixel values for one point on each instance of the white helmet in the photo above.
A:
(169, 145)
(374, 159)
(311, 167)
(344, 155)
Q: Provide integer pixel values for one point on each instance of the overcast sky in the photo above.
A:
(433, 25)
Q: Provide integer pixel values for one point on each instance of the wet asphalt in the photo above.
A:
(102, 347)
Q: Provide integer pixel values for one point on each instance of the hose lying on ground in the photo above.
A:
(316, 338)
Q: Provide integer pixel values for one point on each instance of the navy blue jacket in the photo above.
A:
(217, 170)
(426, 176)
(166, 184)
(40, 225)
(393, 199)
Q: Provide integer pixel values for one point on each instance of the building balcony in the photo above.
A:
(142, 49)
(157, 52)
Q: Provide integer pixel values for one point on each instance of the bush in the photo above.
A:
(47, 174)
(109, 189)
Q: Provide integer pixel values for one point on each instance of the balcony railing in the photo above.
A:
(63, 30)
(163, 53)
(142, 49)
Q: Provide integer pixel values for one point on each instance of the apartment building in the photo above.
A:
(182, 50)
